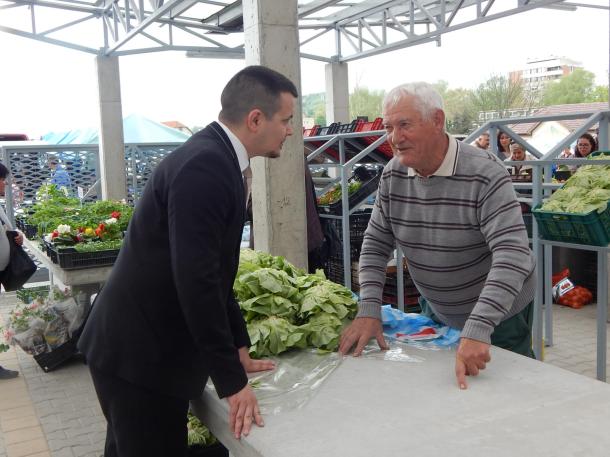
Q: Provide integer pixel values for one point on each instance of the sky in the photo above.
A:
(47, 88)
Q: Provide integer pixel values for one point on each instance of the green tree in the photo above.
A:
(314, 107)
(365, 102)
(460, 114)
(577, 87)
(500, 94)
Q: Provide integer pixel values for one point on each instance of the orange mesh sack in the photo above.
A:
(567, 294)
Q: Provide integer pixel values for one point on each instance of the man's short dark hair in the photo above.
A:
(254, 87)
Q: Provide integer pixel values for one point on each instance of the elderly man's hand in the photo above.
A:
(359, 333)
(471, 357)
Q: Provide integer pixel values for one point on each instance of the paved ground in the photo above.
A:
(56, 414)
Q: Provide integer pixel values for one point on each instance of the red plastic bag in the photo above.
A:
(567, 294)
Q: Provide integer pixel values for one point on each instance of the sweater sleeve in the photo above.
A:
(377, 246)
(501, 224)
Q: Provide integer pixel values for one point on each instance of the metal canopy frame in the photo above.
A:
(206, 28)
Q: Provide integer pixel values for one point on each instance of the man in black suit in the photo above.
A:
(167, 319)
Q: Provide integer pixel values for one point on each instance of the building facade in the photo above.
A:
(538, 72)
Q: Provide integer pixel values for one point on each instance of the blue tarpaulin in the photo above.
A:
(136, 129)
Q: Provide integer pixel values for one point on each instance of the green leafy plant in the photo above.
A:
(286, 308)
(587, 190)
(197, 433)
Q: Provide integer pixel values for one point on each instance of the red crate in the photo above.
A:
(377, 124)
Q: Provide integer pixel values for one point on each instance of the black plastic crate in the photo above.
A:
(70, 259)
(358, 222)
(370, 181)
(49, 361)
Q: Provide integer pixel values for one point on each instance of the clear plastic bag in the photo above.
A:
(398, 352)
(32, 340)
(295, 379)
(71, 312)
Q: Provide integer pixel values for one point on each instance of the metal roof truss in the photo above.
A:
(206, 28)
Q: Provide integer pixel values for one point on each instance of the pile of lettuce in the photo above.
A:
(587, 190)
(285, 308)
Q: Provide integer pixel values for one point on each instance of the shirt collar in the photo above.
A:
(240, 149)
(449, 164)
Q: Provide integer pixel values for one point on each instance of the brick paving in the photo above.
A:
(56, 414)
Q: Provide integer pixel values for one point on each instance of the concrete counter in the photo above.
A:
(368, 407)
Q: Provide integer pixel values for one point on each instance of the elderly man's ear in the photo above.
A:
(439, 119)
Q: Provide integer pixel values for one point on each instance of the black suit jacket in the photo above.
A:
(167, 317)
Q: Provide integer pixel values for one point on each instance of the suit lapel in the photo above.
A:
(216, 130)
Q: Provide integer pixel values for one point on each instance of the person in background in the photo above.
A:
(585, 145)
(566, 154)
(167, 319)
(503, 141)
(5, 255)
(482, 142)
(453, 210)
(518, 154)
(59, 176)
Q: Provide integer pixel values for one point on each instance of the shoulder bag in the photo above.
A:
(20, 267)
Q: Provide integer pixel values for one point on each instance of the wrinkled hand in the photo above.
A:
(359, 333)
(253, 365)
(19, 238)
(471, 357)
(243, 410)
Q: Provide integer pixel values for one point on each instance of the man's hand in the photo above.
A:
(359, 333)
(243, 410)
(471, 356)
(19, 238)
(253, 365)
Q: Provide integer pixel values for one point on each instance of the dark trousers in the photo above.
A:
(513, 334)
(141, 423)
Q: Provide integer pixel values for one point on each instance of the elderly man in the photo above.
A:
(452, 209)
(482, 142)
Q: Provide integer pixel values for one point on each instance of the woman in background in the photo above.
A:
(585, 145)
(503, 142)
(5, 256)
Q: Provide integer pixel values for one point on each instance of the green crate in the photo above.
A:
(592, 228)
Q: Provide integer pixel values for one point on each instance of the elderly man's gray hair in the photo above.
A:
(427, 98)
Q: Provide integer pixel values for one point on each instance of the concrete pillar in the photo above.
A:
(112, 147)
(337, 93)
(278, 185)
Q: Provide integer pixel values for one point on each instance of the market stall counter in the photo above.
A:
(86, 280)
(371, 407)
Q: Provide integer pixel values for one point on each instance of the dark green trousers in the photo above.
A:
(514, 334)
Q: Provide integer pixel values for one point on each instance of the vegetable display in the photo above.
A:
(334, 195)
(587, 190)
(286, 308)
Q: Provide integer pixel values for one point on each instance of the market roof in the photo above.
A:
(206, 28)
(571, 124)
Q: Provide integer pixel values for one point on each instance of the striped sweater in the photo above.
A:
(464, 240)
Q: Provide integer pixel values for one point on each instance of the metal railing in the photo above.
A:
(29, 169)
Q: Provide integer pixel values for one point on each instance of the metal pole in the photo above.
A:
(602, 312)
(537, 248)
(548, 295)
(347, 261)
(400, 284)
